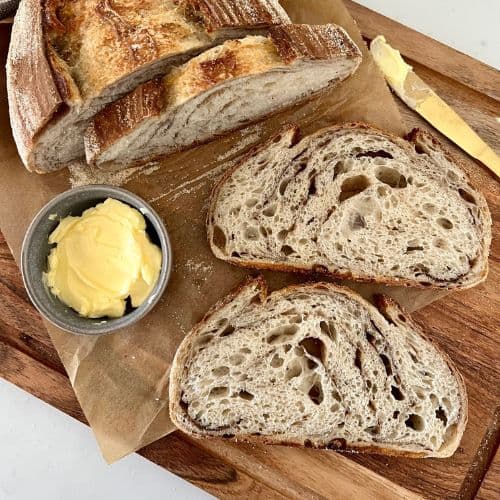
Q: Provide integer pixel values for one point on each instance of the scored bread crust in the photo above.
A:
(383, 305)
(40, 86)
(292, 43)
(416, 138)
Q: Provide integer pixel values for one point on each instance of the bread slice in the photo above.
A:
(220, 90)
(69, 58)
(357, 203)
(317, 366)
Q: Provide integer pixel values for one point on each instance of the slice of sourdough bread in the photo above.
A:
(221, 90)
(317, 366)
(69, 58)
(354, 202)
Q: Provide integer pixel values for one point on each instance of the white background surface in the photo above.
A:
(44, 454)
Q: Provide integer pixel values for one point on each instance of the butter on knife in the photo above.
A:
(416, 94)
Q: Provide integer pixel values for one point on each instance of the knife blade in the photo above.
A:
(417, 95)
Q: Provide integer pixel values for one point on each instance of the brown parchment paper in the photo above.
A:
(121, 380)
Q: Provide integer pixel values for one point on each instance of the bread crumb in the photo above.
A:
(198, 267)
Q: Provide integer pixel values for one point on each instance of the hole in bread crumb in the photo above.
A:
(441, 415)
(401, 318)
(329, 329)
(245, 350)
(283, 186)
(276, 361)
(370, 338)
(251, 233)
(467, 196)
(396, 393)
(387, 364)
(440, 243)
(220, 371)
(339, 168)
(312, 186)
(316, 393)
(357, 222)
(219, 238)
(236, 359)
(204, 340)
(415, 422)
(270, 211)
(294, 369)
(287, 347)
(335, 407)
(391, 177)
(429, 208)
(445, 223)
(282, 235)
(375, 154)
(353, 186)
(256, 299)
(413, 249)
(396, 414)
(245, 395)
(227, 331)
(314, 347)
(357, 359)
(251, 202)
(287, 250)
(281, 334)
(218, 392)
(373, 430)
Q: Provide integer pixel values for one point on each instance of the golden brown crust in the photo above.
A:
(414, 138)
(385, 305)
(33, 101)
(220, 14)
(302, 41)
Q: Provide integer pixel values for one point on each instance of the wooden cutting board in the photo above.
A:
(466, 325)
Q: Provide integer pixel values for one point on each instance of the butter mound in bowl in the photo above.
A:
(96, 259)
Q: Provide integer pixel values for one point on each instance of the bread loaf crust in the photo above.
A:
(46, 35)
(415, 138)
(33, 102)
(386, 306)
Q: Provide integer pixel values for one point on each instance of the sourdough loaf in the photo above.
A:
(69, 58)
(221, 90)
(357, 203)
(317, 366)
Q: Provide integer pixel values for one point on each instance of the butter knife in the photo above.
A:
(417, 95)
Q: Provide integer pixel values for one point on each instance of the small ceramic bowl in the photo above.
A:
(36, 249)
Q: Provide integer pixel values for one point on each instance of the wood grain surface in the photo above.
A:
(466, 325)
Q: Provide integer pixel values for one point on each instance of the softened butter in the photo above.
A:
(101, 258)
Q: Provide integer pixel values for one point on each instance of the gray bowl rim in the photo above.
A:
(102, 327)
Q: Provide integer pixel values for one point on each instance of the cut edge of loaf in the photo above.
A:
(292, 135)
(383, 305)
